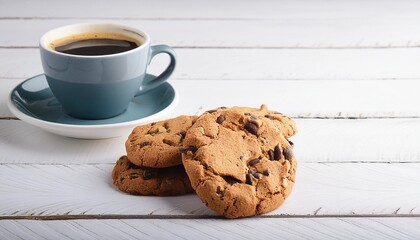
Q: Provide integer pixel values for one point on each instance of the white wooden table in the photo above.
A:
(347, 71)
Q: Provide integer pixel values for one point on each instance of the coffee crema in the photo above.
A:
(94, 44)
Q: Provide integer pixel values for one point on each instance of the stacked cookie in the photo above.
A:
(238, 160)
(153, 165)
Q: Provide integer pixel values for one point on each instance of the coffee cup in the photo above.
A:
(95, 69)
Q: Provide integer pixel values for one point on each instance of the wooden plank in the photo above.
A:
(321, 189)
(20, 143)
(367, 140)
(6, 86)
(321, 228)
(251, 64)
(219, 9)
(298, 99)
(285, 33)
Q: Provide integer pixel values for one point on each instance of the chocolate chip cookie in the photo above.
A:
(239, 164)
(137, 180)
(157, 145)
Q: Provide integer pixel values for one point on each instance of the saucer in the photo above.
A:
(33, 102)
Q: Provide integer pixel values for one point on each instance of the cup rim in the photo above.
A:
(43, 43)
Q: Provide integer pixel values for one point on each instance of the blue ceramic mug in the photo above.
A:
(100, 86)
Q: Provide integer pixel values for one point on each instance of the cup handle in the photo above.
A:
(156, 81)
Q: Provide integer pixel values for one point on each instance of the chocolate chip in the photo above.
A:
(291, 143)
(189, 149)
(267, 172)
(222, 107)
(183, 133)
(271, 154)
(258, 175)
(230, 180)
(220, 119)
(144, 144)
(288, 154)
(277, 152)
(212, 111)
(147, 175)
(249, 179)
(253, 162)
(251, 128)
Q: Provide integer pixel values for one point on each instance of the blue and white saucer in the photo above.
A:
(33, 102)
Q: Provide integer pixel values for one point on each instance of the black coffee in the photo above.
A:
(97, 46)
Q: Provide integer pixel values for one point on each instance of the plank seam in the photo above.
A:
(147, 18)
(9, 118)
(118, 216)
